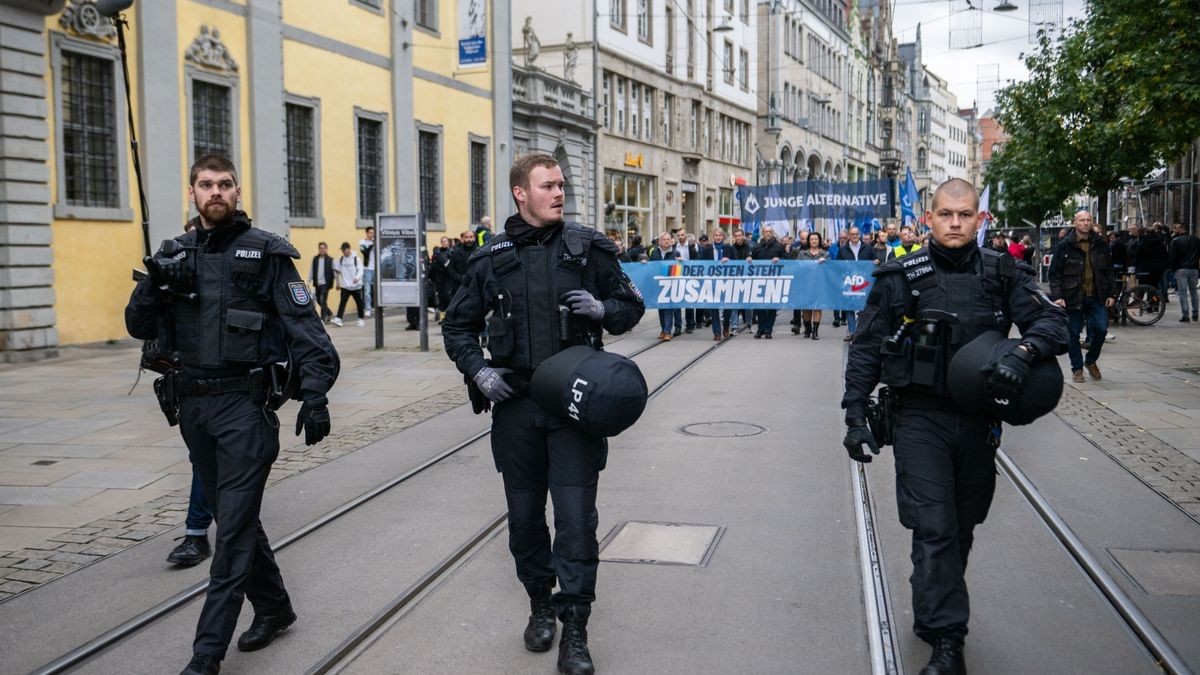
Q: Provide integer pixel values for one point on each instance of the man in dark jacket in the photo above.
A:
(769, 248)
(854, 249)
(516, 284)
(1185, 261)
(1081, 281)
(739, 249)
(320, 275)
(1152, 260)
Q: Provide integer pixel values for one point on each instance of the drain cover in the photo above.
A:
(722, 429)
(661, 543)
(1161, 572)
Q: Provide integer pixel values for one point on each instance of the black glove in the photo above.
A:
(857, 435)
(491, 382)
(313, 418)
(585, 304)
(1008, 374)
(173, 266)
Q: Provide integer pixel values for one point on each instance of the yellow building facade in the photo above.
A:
(333, 111)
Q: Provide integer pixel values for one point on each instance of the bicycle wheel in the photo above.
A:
(1145, 305)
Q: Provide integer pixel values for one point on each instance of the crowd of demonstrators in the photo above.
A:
(854, 249)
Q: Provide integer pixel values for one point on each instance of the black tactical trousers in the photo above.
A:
(537, 452)
(945, 479)
(232, 443)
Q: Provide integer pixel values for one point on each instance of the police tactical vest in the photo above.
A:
(946, 310)
(527, 321)
(228, 325)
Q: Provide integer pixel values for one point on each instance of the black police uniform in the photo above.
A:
(251, 309)
(516, 282)
(945, 457)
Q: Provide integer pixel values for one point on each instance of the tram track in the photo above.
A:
(361, 639)
(886, 657)
(98, 645)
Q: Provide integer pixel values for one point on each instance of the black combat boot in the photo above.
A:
(947, 658)
(815, 328)
(202, 664)
(264, 629)
(573, 656)
(808, 329)
(539, 632)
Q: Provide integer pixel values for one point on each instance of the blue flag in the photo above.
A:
(908, 200)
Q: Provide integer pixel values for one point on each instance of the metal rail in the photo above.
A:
(885, 656)
(110, 637)
(1164, 654)
(369, 632)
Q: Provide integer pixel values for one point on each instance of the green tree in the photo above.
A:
(1114, 96)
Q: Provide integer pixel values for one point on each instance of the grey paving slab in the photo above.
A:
(45, 496)
(109, 479)
(60, 450)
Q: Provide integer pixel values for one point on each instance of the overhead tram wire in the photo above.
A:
(96, 645)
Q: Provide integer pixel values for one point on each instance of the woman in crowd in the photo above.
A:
(816, 252)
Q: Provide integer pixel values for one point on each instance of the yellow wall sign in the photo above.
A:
(634, 160)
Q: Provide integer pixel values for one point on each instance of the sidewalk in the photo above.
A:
(87, 468)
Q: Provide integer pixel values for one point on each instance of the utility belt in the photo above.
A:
(264, 385)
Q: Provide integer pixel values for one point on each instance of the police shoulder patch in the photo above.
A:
(299, 293)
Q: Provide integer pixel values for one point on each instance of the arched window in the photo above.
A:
(922, 159)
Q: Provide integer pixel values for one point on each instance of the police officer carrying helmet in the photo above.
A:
(541, 286)
(221, 307)
(922, 308)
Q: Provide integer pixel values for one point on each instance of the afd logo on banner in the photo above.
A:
(791, 284)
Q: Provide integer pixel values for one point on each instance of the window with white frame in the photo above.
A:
(648, 114)
(620, 84)
(744, 70)
(617, 18)
(426, 14)
(643, 20)
(729, 65)
(634, 113)
(605, 106)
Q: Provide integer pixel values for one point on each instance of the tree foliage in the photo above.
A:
(1114, 95)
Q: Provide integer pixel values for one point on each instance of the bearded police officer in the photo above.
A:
(223, 304)
(542, 286)
(922, 309)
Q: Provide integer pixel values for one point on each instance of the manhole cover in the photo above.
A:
(661, 543)
(722, 429)
(1161, 572)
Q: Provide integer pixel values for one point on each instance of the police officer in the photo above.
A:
(944, 295)
(541, 286)
(222, 304)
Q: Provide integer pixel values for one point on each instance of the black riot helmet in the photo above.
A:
(968, 382)
(600, 392)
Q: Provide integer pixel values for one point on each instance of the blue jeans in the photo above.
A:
(199, 515)
(666, 319)
(1095, 315)
(1185, 281)
(851, 321)
(368, 288)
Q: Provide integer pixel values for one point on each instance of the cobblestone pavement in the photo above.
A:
(1145, 412)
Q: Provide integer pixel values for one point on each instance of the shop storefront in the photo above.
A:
(631, 198)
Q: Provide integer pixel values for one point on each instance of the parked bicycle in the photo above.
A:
(1141, 304)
